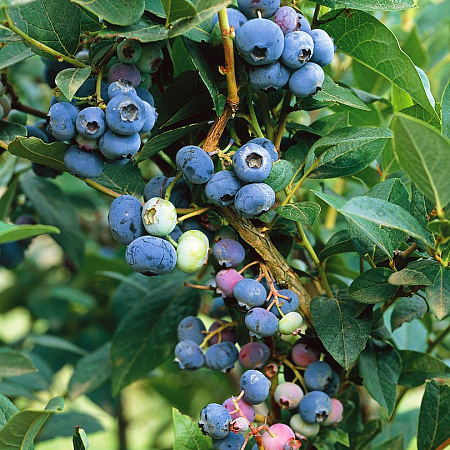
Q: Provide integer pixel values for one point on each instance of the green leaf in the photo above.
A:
(117, 12)
(9, 131)
(407, 309)
(155, 7)
(22, 427)
(55, 23)
(187, 433)
(347, 151)
(332, 92)
(206, 75)
(417, 367)
(372, 286)
(54, 208)
(13, 53)
(33, 149)
(421, 272)
(80, 441)
(198, 105)
(306, 212)
(13, 363)
(366, 39)
(369, 5)
(342, 331)
(178, 9)
(146, 30)
(144, 338)
(441, 228)
(7, 199)
(338, 243)
(280, 175)
(414, 47)
(438, 295)
(69, 80)
(380, 369)
(421, 207)
(422, 114)
(163, 140)
(9, 3)
(9, 233)
(91, 372)
(7, 410)
(386, 214)
(434, 417)
(55, 342)
(333, 435)
(125, 179)
(424, 155)
(445, 111)
(395, 443)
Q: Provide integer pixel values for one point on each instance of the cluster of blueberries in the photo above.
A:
(107, 129)
(280, 46)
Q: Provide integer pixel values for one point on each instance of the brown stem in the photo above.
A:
(28, 109)
(315, 19)
(212, 139)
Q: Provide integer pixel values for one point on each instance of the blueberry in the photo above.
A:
(277, 437)
(288, 19)
(189, 355)
(215, 421)
(82, 56)
(249, 293)
(117, 146)
(127, 72)
(61, 120)
(90, 122)
(303, 354)
(221, 356)
(268, 77)
(286, 305)
(225, 233)
(192, 251)
(180, 195)
(266, 284)
(16, 116)
(121, 86)
(222, 188)
(159, 216)
(44, 171)
(304, 429)
(298, 49)
(336, 413)
(88, 89)
(11, 254)
(226, 280)
(228, 253)
(235, 19)
(260, 41)
(129, 51)
(151, 58)
(254, 199)
(151, 115)
(318, 376)
(34, 131)
(288, 395)
(196, 165)
(218, 308)
(246, 408)
(251, 7)
(228, 334)
(146, 81)
(261, 323)
(323, 47)
(5, 103)
(191, 329)
(156, 187)
(143, 94)
(83, 164)
(254, 355)
(290, 323)
(307, 80)
(176, 233)
(333, 387)
(255, 385)
(151, 255)
(315, 407)
(126, 114)
(85, 143)
(267, 145)
(252, 163)
(231, 442)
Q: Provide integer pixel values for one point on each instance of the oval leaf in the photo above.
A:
(69, 80)
(187, 433)
(423, 272)
(13, 363)
(280, 175)
(306, 212)
(372, 286)
(438, 295)
(9, 233)
(369, 5)
(408, 309)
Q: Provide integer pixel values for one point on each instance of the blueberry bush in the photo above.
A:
(224, 225)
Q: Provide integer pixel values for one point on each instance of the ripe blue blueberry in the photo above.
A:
(44, 171)
(192, 251)
(151, 115)
(252, 163)
(151, 58)
(121, 87)
(235, 18)
(34, 131)
(227, 334)
(232, 442)
(123, 71)
(268, 77)
(180, 195)
(126, 114)
(315, 407)
(218, 309)
(260, 41)
(228, 253)
(221, 356)
(83, 164)
(323, 47)
(61, 120)
(125, 220)
(117, 146)
(318, 376)
(191, 328)
(88, 88)
(307, 80)
(144, 95)
(254, 355)
(129, 51)
(333, 387)
(261, 323)
(196, 165)
(298, 49)
(151, 255)
(189, 355)
(254, 199)
(11, 254)
(215, 421)
(251, 7)
(249, 293)
(222, 187)
(267, 145)
(255, 385)
(286, 305)
(91, 122)
(159, 216)
(289, 20)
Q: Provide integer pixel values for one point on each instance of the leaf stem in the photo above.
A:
(172, 185)
(264, 104)
(438, 340)
(167, 159)
(59, 56)
(284, 114)
(193, 214)
(102, 189)
(251, 109)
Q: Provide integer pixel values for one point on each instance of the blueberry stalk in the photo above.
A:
(264, 104)
(251, 109)
(197, 212)
(172, 185)
(102, 189)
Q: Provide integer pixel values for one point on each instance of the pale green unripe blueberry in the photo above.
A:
(288, 395)
(290, 323)
(192, 251)
(305, 429)
(159, 216)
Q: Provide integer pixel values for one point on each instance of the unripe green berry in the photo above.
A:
(290, 323)
(129, 51)
(305, 429)
(192, 251)
(159, 216)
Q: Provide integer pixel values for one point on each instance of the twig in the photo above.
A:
(102, 189)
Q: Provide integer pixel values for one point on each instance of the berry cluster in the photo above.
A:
(280, 47)
(104, 121)
(5, 102)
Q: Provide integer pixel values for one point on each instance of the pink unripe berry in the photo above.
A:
(228, 334)
(336, 413)
(288, 395)
(303, 354)
(280, 435)
(226, 280)
(247, 409)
